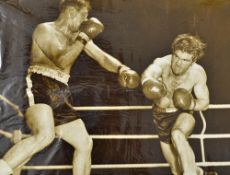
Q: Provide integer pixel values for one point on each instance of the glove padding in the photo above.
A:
(129, 79)
(154, 89)
(182, 99)
(90, 28)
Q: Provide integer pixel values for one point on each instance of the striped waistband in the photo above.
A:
(51, 73)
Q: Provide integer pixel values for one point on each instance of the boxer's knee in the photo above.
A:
(85, 145)
(40, 119)
(177, 136)
(41, 122)
(5, 169)
(38, 110)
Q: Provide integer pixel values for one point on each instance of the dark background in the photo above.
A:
(136, 32)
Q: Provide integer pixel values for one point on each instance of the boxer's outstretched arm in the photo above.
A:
(153, 71)
(153, 87)
(104, 59)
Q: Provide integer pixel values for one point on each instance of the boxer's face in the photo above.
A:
(77, 17)
(181, 61)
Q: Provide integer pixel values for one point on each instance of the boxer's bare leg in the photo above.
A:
(76, 134)
(180, 132)
(171, 157)
(40, 120)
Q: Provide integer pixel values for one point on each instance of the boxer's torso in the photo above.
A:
(172, 81)
(51, 51)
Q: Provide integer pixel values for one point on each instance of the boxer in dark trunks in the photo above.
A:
(169, 82)
(55, 47)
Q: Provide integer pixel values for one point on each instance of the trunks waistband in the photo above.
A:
(164, 110)
(51, 73)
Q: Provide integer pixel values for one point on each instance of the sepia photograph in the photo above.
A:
(114, 87)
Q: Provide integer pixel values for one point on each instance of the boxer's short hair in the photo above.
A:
(190, 44)
(78, 4)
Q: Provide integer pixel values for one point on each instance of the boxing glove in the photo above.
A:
(182, 99)
(154, 89)
(129, 79)
(89, 29)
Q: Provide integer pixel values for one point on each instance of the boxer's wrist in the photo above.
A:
(143, 81)
(122, 68)
(83, 38)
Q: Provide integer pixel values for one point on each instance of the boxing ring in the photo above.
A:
(202, 136)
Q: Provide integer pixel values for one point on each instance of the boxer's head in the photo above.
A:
(186, 49)
(189, 44)
(75, 11)
(78, 4)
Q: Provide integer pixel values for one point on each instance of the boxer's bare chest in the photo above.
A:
(63, 48)
(173, 82)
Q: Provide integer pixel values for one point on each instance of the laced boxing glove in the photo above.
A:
(89, 29)
(183, 99)
(128, 78)
(154, 89)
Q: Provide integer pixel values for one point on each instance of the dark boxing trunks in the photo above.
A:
(164, 122)
(55, 94)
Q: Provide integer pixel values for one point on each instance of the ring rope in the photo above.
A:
(115, 108)
(134, 136)
(13, 105)
(200, 136)
(152, 136)
(121, 166)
